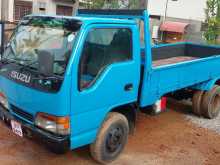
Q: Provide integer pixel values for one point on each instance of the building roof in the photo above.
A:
(177, 27)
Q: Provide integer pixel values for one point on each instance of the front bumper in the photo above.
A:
(58, 144)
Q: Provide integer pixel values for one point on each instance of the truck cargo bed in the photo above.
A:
(172, 60)
(178, 66)
(175, 53)
(180, 52)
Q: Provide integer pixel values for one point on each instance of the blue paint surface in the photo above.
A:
(89, 108)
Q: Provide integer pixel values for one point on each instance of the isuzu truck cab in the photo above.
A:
(76, 81)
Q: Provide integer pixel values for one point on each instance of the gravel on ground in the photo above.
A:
(186, 108)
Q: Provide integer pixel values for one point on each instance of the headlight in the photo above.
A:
(54, 124)
(3, 100)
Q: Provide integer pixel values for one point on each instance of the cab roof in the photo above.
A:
(89, 20)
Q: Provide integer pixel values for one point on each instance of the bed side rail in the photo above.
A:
(115, 13)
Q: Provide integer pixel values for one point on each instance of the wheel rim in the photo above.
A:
(114, 139)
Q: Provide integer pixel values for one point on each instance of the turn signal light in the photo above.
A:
(3, 100)
(54, 124)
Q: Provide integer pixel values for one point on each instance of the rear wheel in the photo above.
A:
(211, 103)
(196, 102)
(111, 138)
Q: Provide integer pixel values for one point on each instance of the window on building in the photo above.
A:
(64, 10)
(22, 8)
(102, 48)
(42, 7)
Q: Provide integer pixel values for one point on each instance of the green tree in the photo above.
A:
(213, 21)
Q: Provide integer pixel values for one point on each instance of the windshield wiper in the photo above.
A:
(12, 50)
(42, 77)
(29, 65)
(55, 77)
(7, 61)
(16, 61)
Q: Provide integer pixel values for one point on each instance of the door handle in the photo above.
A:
(128, 87)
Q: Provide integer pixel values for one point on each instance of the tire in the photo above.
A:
(196, 102)
(111, 138)
(211, 103)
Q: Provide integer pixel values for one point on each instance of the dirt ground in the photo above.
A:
(167, 139)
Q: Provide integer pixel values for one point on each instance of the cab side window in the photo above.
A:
(102, 48)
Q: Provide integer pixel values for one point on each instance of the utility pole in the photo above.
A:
(166, 7)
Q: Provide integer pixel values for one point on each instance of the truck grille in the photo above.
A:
(22, 113)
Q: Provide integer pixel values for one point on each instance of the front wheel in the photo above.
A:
(111, 138)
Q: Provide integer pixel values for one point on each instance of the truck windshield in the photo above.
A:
(53, 35)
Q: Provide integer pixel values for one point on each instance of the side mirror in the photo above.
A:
(45, 63)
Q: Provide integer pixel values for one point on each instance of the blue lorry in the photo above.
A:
(76, 81)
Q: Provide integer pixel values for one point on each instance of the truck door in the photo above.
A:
(105, 75)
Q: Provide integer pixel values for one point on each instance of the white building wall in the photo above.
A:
(183, 9)
(53, 5)
(10, 11)
(35, 5)
(50, 6)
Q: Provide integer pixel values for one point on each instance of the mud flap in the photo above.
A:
(160, 106)
(157, 108)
